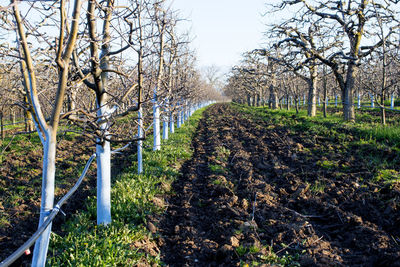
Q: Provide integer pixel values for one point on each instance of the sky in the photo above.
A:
(223, 29)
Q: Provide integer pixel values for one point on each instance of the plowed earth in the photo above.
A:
(250, 189)
(20, 183)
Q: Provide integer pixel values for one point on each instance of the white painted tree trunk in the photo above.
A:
(47, 202)
(103, 152)
(156, 125)
(165, 120)
(171, 123)
(186, 113)
(392, 101)
(372, 101)
(165, 128)
(179, 118)
(140, 142)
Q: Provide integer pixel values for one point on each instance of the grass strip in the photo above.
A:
(126, 241)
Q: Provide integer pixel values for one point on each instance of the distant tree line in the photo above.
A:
(342, 50)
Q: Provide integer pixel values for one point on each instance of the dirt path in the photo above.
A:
(252, 192)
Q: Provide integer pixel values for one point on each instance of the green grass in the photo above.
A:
(266, 255)
(318, 187)
(85, 244)
(217, 169)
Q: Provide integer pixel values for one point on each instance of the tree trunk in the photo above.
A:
(383, 111)
(179, 118)
(103, 152)
(2, 125)
(348, 107)
(171, 123)
(47, 198)
(140, 142)
(287, 102)
(312, 93)
(165, 128)
(156, 124)
(325, 97)
(273, 97)
(13, 116)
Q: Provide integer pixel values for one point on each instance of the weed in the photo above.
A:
(217, 169)
(326, 164)
(387, 176)
(254, 249)
(318, 187)
(241, 250)
(222, 153)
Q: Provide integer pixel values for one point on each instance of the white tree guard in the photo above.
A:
(165, 128)
(171, 123)
(392, 101)
(372, 101)
(47, 200)
(156, 124)
(103, 152)
(140, 142)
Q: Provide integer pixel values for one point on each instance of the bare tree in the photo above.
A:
(354, 19)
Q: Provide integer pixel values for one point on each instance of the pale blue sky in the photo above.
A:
(223, 29)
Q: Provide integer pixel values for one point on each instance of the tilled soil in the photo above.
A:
(21, 180)
(253, 189)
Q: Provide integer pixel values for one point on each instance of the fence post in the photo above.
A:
(335, 101)
(359, 101)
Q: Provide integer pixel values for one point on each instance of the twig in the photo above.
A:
(302, 215)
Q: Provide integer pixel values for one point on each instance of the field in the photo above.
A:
(236, 186)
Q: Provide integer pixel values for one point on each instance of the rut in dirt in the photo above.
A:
(244, 194)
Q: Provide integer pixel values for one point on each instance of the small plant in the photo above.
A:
(241, 250)
(388, 176)
(328, 164)
(254, 249)
(217, 182)
(218, 169)
(318, 187)
(222, 153)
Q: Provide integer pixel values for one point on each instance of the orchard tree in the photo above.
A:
(355, 19)
(46, 128)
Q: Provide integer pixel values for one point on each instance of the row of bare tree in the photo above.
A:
(82, 65)
(324, 48)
